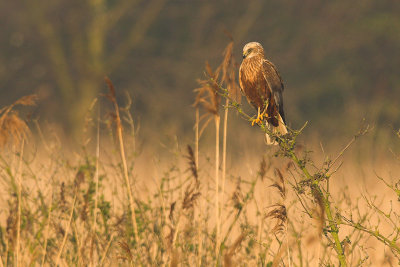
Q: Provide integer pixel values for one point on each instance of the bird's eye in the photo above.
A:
(250, 49)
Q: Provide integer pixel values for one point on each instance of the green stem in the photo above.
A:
(376, 234)
(334, 230)
(287, 147)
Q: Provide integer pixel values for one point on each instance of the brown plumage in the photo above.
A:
(261, 83)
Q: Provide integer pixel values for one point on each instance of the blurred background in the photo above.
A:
(339, 60)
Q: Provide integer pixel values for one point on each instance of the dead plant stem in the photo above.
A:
(125, 171)
(196, 148)
(19, 178)
(217, 119)
(46, 232)
(224, 153)
(96, 181)
(66, 232)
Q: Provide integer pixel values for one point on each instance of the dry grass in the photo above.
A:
(12, 128)
(113, 99)
(97, 208)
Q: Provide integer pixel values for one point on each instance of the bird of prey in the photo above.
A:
(262, 85)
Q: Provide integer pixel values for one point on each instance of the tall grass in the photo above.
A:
(112, 97)
(82, 210)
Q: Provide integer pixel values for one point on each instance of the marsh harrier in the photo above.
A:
(261, 83)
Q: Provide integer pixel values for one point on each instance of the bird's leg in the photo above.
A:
(258, 119)
(264, 113)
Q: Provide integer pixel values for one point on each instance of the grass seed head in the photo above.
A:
(279, 213)
(127, 254)
(263, 169)
(190, 197)
(237, 196)
(228, 257)
(208, 94)
(192, 163)
(171, 211)
(229, 70)
(280, 185)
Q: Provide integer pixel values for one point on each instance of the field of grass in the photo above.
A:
(103, 204)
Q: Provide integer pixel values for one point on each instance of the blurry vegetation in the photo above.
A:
(339, 63)
(94, 209)
(339, 60)
(73, 44)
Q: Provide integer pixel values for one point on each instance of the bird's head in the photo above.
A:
(253, 49)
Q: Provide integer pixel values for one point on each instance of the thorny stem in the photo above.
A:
(397, 191)
(362, 131)
(334, 230)
(286, 147)
(332, 223)
(391, 243)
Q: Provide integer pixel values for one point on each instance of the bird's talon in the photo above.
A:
(257, 120)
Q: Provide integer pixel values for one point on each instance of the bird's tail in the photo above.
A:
(280, 129)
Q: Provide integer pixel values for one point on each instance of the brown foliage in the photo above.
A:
(12, 127)
(263, 169)
(228, 262)
(192, 163)
(191, 195)
(229, 70)
(279, 210)
(208, 93)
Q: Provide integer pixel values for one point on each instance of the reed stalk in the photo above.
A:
(196, 141)
(225, 133)
(217, 124)
(96, 177)
(66, 232)
(19, 193)
(46, 233)
(196, 153)
(112, 97)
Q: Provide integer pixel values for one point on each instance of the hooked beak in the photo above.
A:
(244, 55)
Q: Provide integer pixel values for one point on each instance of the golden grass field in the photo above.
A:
(111, 202)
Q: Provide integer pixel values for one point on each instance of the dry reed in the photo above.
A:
(211, 104)
(112, 97)
(68, 225)
(19, 195)
(228, 69)
(12, 127)
(46, 233)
